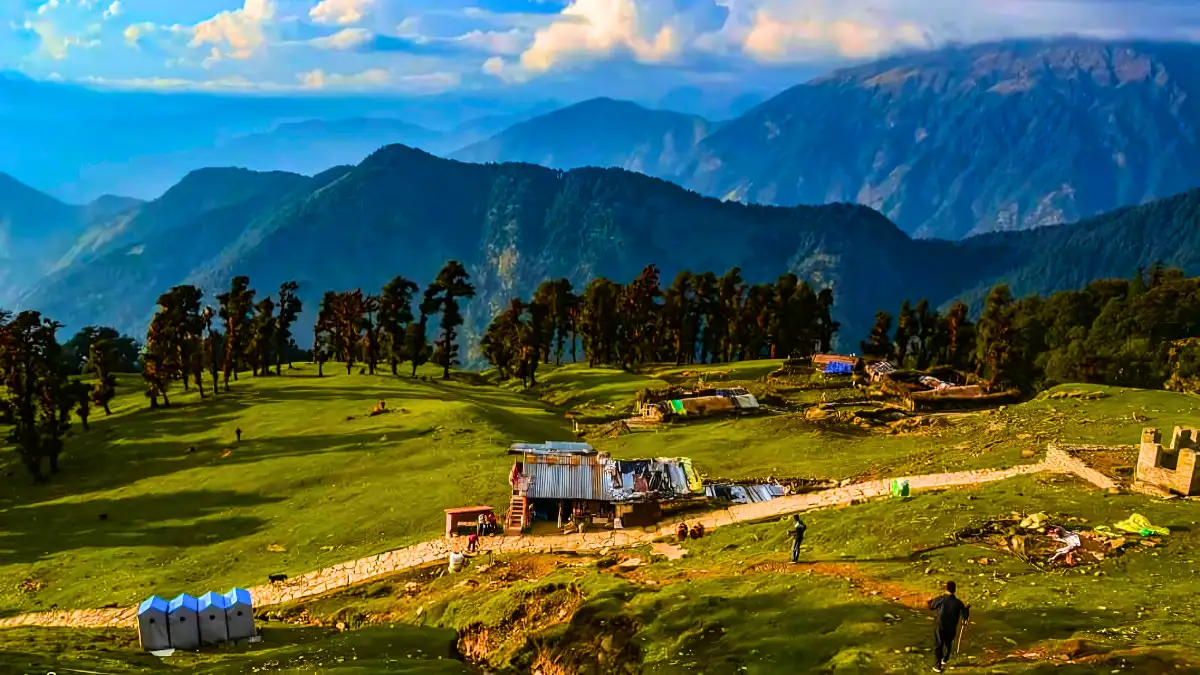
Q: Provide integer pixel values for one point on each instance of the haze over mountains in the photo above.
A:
(944, 144)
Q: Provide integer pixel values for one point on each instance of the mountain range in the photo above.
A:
(514, 225)
(962, 163)
(35, 229)
(947, 143)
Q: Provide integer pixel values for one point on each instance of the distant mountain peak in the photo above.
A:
(975, 138)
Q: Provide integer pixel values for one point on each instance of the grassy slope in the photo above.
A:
(393, 649)
(304, 478)
(734, 605)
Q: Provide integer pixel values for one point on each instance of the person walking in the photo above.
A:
(950, 610)
(798, 529)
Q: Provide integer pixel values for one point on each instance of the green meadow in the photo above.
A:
(168, 501)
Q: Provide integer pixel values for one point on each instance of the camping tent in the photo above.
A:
(214, 629)
(181, 612)
(839, 368)
(152, 624)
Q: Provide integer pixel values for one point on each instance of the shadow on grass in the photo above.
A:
(178, 520)
(402, 649)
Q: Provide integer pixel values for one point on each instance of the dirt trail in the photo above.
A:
(355, 572)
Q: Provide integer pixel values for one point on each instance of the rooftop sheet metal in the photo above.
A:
(552, 447)
(604, 479)
(586, 481)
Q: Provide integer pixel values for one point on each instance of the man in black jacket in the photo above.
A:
(798, 528)
(950, 610)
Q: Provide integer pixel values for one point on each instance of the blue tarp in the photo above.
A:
(838, 368)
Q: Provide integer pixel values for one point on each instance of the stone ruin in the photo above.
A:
(1172, 468)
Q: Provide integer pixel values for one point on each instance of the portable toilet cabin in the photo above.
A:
(185, 632)
(214, 628)
(152, 624)
(239, 614)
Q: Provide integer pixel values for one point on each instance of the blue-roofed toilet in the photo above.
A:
(210, 609)
(239, 614)
(185, 631)
(152, 624)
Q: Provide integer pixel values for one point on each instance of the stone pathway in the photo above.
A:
(668, 551)
(437, 550)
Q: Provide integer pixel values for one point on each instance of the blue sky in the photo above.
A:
(415, 47)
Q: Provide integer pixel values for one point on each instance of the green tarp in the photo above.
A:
(677, 407)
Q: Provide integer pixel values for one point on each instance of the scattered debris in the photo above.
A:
(1037, 538)
(31, 585)
(276, 548)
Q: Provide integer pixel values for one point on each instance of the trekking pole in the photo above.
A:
(962, 628)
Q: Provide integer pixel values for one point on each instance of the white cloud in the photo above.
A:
(48, 7)
(510, 42)
(113, 10)
(239, 31)
(377, 78)
(319, 79)
(181, 84)
(772, 38)
(340, 12)
(348, 38)
(134, 32)
(598, 28)
(56, 45)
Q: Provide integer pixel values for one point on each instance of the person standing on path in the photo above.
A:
(950, 610)
(798, 529)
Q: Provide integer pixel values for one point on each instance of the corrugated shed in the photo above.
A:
(582, 480)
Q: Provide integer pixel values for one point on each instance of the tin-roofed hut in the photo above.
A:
(582, 485)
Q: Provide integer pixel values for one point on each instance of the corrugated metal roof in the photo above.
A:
(599, 478)
(551, 447)
(585, 480)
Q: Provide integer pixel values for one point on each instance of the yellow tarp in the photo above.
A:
(1139, 524)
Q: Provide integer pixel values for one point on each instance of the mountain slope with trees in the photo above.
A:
(965, 140)
(514, 226)
(36, 230)
(403, 211)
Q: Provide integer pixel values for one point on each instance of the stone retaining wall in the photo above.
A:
(1061, 460)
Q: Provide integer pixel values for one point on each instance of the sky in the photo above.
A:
(421, 47)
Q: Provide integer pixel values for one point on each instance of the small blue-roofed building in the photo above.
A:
(239, 614)
(214, 626)
(153, 632)
(185, 629)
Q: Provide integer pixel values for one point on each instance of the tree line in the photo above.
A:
(354, 327)
(698, 318)
(41, 389)
(1136, 332)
